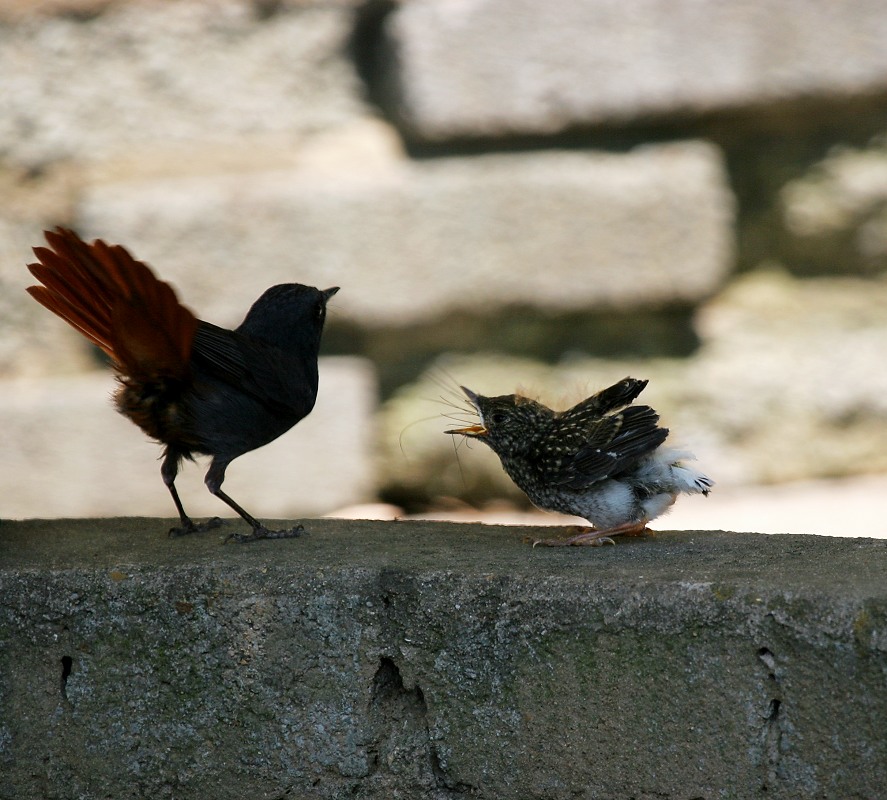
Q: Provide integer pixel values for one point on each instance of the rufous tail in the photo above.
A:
(116, 302)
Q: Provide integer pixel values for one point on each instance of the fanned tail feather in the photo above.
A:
(116, 302)
(685, 475)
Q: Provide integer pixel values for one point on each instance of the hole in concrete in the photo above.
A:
(401, 739)
(387, 682)
(67, 663)
(769, 661)
(772, 738)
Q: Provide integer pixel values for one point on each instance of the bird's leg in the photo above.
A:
(214, 478)
(595, 537)
(168, 470)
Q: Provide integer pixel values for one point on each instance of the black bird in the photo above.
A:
(190, 385)
(600, 460)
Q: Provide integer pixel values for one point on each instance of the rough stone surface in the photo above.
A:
(787, 384)
(67, 453)
(143, 75)
(436, 660)
(499, 67)
(410, 241)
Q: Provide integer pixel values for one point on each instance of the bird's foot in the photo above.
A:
(188, 527)
(591, 537)
(261, 532)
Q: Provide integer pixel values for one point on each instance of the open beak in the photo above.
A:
(472, 430)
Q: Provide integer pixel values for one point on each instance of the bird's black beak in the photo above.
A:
(472, 430)
(328, 293)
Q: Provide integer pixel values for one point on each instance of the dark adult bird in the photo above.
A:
(601, 460)
(192, 386)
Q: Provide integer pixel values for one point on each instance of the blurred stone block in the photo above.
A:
(411, 241)
(500, 67)
(32, 343)
(68, 453)
(835, 215)
(110, 80)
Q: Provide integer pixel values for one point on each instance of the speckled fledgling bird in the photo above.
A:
(601, 460)
(192, 386)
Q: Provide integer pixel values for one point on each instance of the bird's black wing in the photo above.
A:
(589, 450)
(219, 351)
(252, 367)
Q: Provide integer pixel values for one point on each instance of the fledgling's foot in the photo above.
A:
(591, 538)
(261, 532)
(195, 527)
(595, 538)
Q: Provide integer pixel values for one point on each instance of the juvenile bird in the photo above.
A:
(190, 385)
(601, 459)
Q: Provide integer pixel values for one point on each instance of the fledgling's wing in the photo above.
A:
(585, 451)
(612, 398)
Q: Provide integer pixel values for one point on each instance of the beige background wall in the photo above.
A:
(692, 192)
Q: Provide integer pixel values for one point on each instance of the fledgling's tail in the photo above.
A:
(687, 478)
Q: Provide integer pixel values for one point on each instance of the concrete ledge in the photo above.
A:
(427, 660)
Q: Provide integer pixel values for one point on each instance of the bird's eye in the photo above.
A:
(497, 417)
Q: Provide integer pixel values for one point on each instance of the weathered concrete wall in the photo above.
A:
(436, 660)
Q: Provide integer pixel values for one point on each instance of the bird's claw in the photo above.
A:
(262, 532)
(584, 540)
(185, 530)
(602, 540)
(595, 538)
